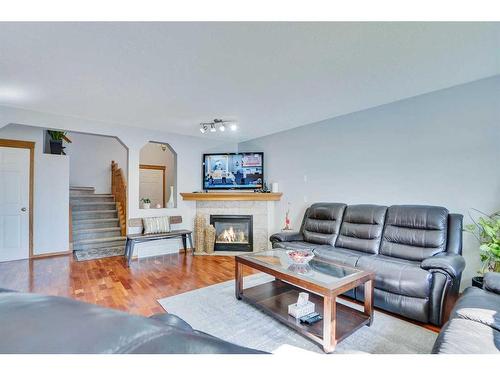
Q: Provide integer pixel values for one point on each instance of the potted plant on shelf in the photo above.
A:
(146, 203)
(56, 141)
(486, 230)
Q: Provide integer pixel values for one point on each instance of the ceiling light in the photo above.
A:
(217, 124)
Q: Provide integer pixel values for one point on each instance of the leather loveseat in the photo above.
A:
(33, 324)
(414, 251)
(474, 325)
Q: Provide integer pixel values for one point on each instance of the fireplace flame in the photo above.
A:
(230, 235)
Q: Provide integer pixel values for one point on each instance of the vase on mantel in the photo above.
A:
(170, 203)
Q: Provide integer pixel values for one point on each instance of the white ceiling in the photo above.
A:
(267, 76)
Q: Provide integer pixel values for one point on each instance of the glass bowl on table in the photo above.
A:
(300, 256)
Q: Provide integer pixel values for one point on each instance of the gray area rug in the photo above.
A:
(215, 310)
(82, 255)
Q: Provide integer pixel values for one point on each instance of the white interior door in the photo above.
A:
(14, 203)
(151, 185)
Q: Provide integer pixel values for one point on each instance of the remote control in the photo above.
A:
(304, 318)
(310, 315)
(313, 320)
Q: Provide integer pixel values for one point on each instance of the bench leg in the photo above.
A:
(127, 245)
(130, 252)
(191, 242)
(184, 243)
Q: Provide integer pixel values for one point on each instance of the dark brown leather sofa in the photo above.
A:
(415, 252)
(474, 325)
(38, 324)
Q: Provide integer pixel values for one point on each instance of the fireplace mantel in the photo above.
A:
(231, 196)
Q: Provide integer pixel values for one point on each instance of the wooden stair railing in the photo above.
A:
(119, 190)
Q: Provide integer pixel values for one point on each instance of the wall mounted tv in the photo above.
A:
(243, 170)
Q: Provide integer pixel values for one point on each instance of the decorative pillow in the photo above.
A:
(154, 225)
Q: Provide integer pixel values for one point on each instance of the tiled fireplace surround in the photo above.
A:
(262, 212)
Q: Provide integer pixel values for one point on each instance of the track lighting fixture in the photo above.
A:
(217, 124)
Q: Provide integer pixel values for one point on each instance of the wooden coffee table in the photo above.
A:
(323, 279)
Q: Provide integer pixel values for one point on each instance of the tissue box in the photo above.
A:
(300, 311)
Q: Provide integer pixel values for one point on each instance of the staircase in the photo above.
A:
(95, 224)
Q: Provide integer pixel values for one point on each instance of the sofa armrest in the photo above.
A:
(491, 282)
(172, 320)
(454, 243)
(452, 264)
(286, 236)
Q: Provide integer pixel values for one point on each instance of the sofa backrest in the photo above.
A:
(321, 223)
(414, 232)
(361, 228)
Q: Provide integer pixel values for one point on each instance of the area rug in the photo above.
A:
(82, 255)
(215, 310)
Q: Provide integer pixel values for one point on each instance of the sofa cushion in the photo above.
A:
(361, 228)
(462, 336)
(335, 254)
(322, 223)
(478, 305)
(414, 232)
(397, 275)
(294, 245)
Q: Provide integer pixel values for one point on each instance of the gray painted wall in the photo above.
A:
(441, 148)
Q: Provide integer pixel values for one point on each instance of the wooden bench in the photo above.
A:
(133, 239)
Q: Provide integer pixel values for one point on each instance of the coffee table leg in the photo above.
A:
(369, 300)
(329, 323)
(238, 279)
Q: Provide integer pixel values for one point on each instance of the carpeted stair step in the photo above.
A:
(97, 214)
(99, 243)
(81, 190)
(89, 234)
(92, 198)
(93, 206)
(95, 223)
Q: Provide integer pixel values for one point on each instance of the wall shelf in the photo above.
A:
(231, 196)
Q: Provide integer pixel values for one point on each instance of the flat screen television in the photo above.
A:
(244, 170)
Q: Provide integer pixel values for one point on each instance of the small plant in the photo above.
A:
(487, 231)
(56, 141)
(57, 135)
(145, 200)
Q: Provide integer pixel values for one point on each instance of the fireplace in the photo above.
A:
(233, 232)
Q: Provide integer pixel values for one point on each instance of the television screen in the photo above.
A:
(233, 171)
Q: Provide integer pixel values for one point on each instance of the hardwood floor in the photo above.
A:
(108, 282)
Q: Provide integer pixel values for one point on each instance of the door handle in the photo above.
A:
(24, 209)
